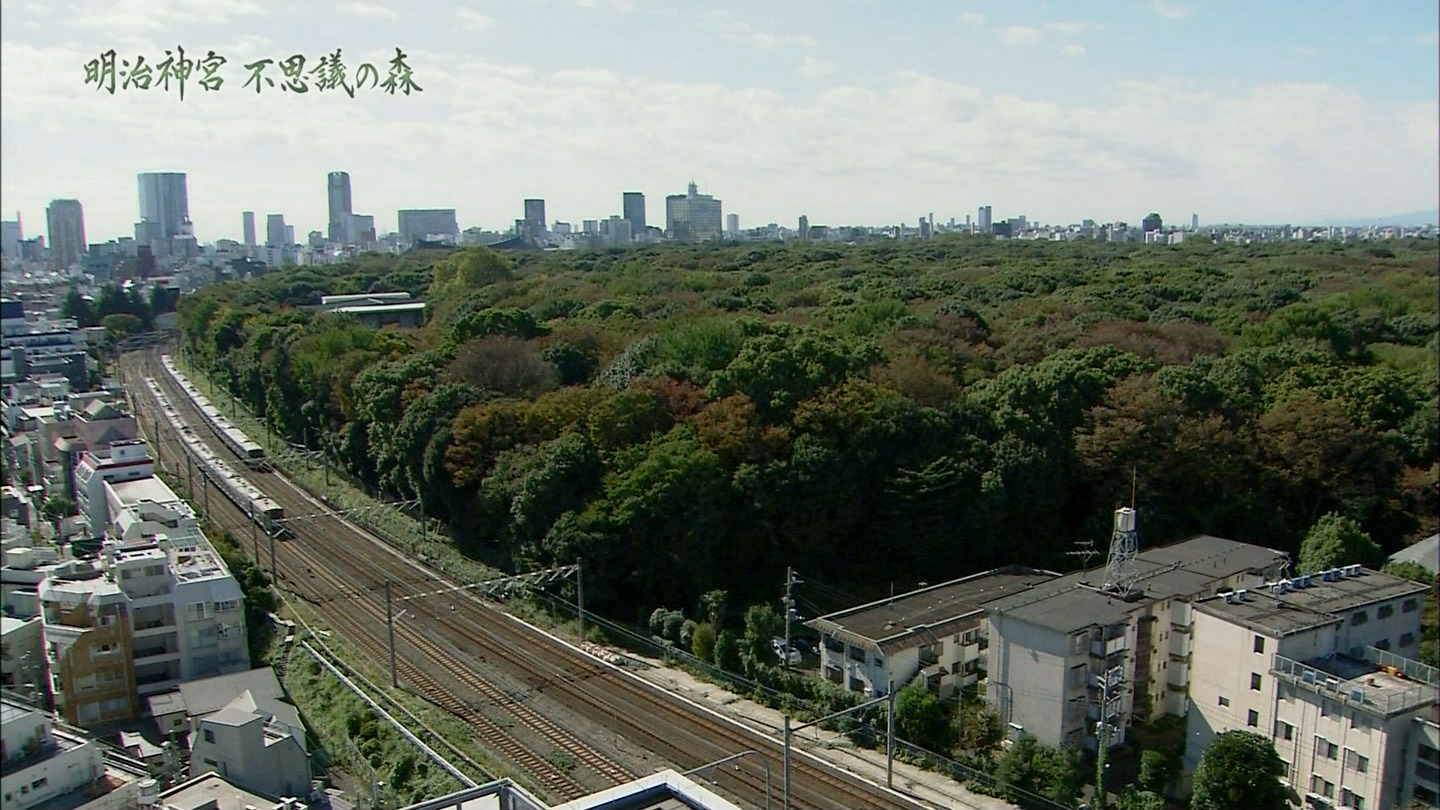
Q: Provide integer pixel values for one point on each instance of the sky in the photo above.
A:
(848, 111)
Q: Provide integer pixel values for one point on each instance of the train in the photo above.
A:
(268, 514)
(233, 437)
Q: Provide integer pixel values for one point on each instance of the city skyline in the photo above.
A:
(861, 116)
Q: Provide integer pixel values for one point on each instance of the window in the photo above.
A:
(1385, 612)
(1382, 644)
(1408, 606)
(39, 783)
(209, 735)
(154, 570)
(1255, 681)
(1358, 618)
(1284, 730)
(857, 654)
(1406, 639)
(1253, 719)
(1352, 799)
(1259, 644)
(1224, 701)
(1355, 762)
(1326, 749)
(227, 605)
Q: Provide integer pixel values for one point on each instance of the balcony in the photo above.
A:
(1105, 649)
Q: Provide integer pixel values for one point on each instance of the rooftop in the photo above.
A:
(150, 489)
(1426, 553)
(1319, 604)
(409, 306)
(209, 695)
(1181, 570)
(897, 623)
(211, 792)
(1378, 681)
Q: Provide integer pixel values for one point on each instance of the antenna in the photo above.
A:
(1120, 572)
(1134, 482)
(1086, 550)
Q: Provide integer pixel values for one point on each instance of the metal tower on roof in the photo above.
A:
(1120, 572)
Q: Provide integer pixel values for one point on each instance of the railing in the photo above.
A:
(1105, 649)
(1387, 700)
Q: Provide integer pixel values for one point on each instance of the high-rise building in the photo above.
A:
(986, 222)
(732, 226)
(275, 229)
(590, 226)
(247, 219)
(338, 194)
(424, 223)
(11, 235)
(164, 209)
(1151, 223)
(290, 235)
(617, 231)
(360, 229)
(692, 217)
(535, 217)
(633, 209)
(65, 220)
(804, 227)
(1194, 222)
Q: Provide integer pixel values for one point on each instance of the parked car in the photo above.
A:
(789, 655)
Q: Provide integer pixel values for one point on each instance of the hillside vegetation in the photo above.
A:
(687, 419)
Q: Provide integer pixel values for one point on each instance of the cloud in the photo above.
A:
(974, 18)
(744, 33)
(1021, 35)
(867, 150)
(361, 9)
(617, 5)
(471, 20)
(1072, 28)
(1073, 50)
(1170, 11)
(813, 67)
(122, 16)
(1427, 38)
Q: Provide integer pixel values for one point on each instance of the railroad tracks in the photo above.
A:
(342, 572)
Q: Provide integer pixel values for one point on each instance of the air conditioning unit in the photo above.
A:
(1241, 594)
(1286, 585)
(1230, 598)
(1353, 571)
(1308, 676)
(1305, 581)
(1357, 695)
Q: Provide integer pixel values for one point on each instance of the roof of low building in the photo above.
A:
(209, 695)
(1319, 604)
(1181, 570)
(1426, 553)
(920, 616)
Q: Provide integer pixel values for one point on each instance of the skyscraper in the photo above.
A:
(692, 217)
(275, 231)
(164, 208)
(535, 218)
(338, 192)
(1194, 222)
(247, 218)
(804, 227)
(423, 223)
(633, 209)
(11, 235)
(65, 220)
(1151, 222)
(732, 225)
(986, 222)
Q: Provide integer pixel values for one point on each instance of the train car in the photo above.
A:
(233, 437)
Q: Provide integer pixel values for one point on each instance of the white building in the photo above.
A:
(41, 763)
(1049, 645)
(127, 461)
(1323, 666)
(937, 633)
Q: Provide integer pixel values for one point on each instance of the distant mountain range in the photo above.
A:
(1412, 220)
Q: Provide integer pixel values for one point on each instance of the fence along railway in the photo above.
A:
(343, 571)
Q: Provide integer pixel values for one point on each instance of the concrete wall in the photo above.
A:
(1028, 676)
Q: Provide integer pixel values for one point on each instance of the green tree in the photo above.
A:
(1239, 769)
(921, 719)
(727, 651)
(1029, 769)
(121, 325)
(762, 625)
(1132, 798)
(468, 270)
(712, 604)
(702, 644)
(1157, 770)
(57, 508)
(982, 730)
(1337, 540)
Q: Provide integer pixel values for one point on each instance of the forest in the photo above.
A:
(691, 418)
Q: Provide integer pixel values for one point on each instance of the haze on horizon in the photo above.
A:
(849, 111)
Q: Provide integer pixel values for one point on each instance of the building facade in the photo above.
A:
(632, 207)
(44, 764)
(692, 217)
(417, 224)
(126, 461)
(65, 221)
(247, 223)
(337, 187)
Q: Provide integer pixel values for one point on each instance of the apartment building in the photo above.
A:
(53, 767)
(125, 461)
(1058, 648)
(159, 608)
(1323, 665)
(935, 633)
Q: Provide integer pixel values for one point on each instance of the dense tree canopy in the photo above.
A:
(1239, 769)
(698, 418)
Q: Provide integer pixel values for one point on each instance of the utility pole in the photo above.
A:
(189, 478)
(890, 737)
(205, 485)
(254, 536)
(156, 422)
(423, 536)
(274, 570)
(790, 583)
(580, 598)
(1111, 683)
(390, 623)
(787, 762)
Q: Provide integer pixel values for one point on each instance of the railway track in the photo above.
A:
(342, 572)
